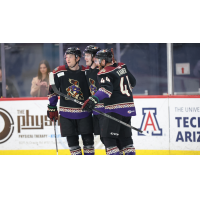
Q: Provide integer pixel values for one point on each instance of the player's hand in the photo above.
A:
(90, 103)
(52, 112)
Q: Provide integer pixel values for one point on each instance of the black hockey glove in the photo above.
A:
(90, 103)
(52, 112)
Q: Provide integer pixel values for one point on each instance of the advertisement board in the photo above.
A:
(171, 126)
(184, 124)
(152, 117)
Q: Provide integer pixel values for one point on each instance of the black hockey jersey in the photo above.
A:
(116, 83)
(74, 84)
(91, 75)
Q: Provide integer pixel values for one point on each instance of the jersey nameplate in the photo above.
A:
(60, 74)
(121, 71)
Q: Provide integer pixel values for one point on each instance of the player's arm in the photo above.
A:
(131, 78)
(53, 99)
(105, 91)
(106, 86)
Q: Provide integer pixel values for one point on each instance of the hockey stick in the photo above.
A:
(52, 83)
(113, 58)
(55, 134)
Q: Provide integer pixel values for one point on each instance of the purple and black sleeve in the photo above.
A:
(53, 98)
(106, 87)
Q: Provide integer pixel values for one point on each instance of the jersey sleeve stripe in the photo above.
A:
(51, 95)
(105, 91)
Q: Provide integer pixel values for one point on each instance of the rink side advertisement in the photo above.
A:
(25, 129)
(184, 125)
(152, 117)
(171, 125)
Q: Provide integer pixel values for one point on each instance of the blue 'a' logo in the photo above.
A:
(150, 123)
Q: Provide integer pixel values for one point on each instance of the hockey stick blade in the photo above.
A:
(52, 83)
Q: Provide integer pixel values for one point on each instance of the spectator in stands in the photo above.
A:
(40, 83)
(11, 91)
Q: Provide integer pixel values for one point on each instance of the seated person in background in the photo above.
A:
(40, 83)
(10, 88)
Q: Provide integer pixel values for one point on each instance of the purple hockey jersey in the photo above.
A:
(116, 83)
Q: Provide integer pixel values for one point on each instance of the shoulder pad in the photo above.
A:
(59, 68)
(120, 64)
(106, 70)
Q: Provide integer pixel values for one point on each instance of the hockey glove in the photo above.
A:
(90, 103)
(52, 112)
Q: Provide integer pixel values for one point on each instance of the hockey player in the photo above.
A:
(116, 84)
(91, 75)
(70, 79)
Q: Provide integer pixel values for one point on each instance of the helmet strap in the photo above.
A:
(74, 65)
(76, 62)
(92, 64)
(92, 60)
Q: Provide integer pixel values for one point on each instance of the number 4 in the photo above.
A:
(123, 88)
(102, 80)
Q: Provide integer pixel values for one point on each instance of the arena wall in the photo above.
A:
(171, 125)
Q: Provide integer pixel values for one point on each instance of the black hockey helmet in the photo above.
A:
(91, 49)
(73, 50)
(105, 54)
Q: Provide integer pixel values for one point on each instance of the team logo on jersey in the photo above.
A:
(93, 88)
(150, 122)
(130, 111)
(116, 134)
(74, 90)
